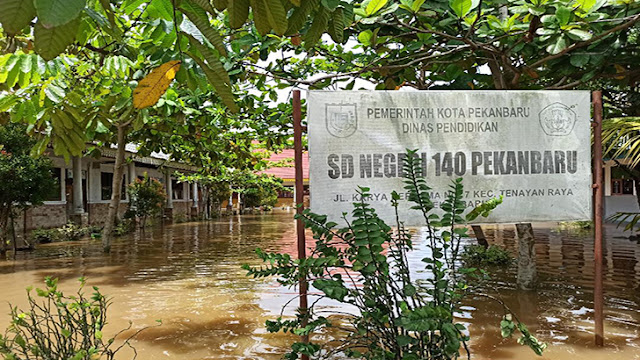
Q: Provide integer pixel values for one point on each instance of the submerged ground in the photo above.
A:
(189, 276)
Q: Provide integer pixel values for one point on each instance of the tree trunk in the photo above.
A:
(482, 240)
(4, 230)
(527, 272)
(116, 191)
(13, 234)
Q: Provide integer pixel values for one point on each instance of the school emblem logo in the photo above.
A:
(557, 119)
(342, 120)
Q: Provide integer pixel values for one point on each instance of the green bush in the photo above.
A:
(67, 232)
(364, 265)
(56, 326)
(124, 227)
(146, 198)
(45, 236)
(477, 255)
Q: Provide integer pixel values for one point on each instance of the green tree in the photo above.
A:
(25, 181)
(146, 198)
(130, 37)
(488, 44)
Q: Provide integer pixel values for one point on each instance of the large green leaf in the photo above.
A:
(238, 13)
(222, 89)
(260, 16)
(374, 6)
(318, 27)
(336, 26)
(277, 16)
(586, 5)
(50, 43)
(220, 4)
(563, 14)
(577, 34)
(461, 7)
(52, 13)
(16, 14)
(558, 45)
(205, 4)
(300, 15)
(208, 31)
(213, 61)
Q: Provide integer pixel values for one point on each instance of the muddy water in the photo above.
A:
(189, 277)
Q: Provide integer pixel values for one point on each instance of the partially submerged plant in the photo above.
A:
(56, 326)
(478, 255)
(364, 265)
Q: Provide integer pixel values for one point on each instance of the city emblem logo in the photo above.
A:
(342, 120)
(557, 119)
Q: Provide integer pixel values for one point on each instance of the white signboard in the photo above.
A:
(531, 147)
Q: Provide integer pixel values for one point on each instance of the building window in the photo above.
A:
(106, 183)
(622, 187)
(178, 189)
(56, 192)
(288, 193)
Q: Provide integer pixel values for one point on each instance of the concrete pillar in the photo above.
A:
(131, 169)
(78, 214)
(607, 179)
(169, 187)
(194, 206)
(168, 210)
(527, 272)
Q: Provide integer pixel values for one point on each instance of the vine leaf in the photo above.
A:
(154, 85)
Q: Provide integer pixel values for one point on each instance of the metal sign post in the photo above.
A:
(598, 298)
(299, 192)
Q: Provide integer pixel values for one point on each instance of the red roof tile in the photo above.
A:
(288, 172)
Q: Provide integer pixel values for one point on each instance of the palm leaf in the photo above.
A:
(621, 139)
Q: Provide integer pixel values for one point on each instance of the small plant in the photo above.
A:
(364, 265)
(180, 218)
(68, 232)
(45, 236)
(124, 227)
(56, 326)
(580, 225)
(478, 255)
(71, 231)
(147, 198)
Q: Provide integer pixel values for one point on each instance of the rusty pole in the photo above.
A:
(299, 186)
(598, 298)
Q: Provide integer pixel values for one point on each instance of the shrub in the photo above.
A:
(56, 326)
(67, 232)
(478, 255)
(71, 231)
(146, 198)
(124, 227)
(44, 236)
(364, 265)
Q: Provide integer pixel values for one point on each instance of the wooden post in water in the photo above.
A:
(598, 297)
(299, 192)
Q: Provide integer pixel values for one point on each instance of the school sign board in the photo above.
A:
(531, 147)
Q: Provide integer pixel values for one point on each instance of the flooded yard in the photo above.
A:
(189, 276)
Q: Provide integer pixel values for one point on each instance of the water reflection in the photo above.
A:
(188, 275)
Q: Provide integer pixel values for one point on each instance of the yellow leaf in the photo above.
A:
(154, 85)
(620, 70)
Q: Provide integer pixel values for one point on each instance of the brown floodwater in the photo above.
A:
(189, 277)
